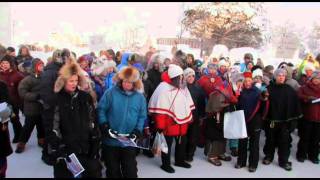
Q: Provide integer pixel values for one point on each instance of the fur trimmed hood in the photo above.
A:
(65, 73)
(130, 74)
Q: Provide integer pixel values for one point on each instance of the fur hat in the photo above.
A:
(189, 71)
(174, 71)
(65, 73)
(130, 74)
(308, 66)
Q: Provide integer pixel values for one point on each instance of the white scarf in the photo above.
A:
(174, 102)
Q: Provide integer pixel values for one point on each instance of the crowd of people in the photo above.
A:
(82, 105)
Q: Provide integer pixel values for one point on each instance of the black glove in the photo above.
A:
(95, 144)
(136, 134)
(105, 131)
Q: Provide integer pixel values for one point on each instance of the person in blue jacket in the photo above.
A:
(124, 61)
(122, 112)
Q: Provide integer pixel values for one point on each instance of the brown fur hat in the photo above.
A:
(65, 73)
(130, 74)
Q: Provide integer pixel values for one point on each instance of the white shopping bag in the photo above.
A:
(234, 126)
(159, 145)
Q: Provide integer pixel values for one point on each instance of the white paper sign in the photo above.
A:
(74, 166)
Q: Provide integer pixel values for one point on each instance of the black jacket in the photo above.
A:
(75, 122)
(199, 100)
(48, 79)
(154, 79)
(29, 89)
(5, 146)
(284, 103)
(47, 96)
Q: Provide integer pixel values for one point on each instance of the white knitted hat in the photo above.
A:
(223, 63)
(189, 71)
(257, 72)
(174, 71)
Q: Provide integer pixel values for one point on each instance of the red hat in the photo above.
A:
(247, 75)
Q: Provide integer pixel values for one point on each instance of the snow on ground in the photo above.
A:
(29, 165)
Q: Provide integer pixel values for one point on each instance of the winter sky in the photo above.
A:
(37, 20)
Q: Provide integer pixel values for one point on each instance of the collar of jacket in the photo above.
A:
(127, 93)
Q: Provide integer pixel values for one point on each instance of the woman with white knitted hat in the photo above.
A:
(171, 106)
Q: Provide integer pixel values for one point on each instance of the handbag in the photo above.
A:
(234, 126)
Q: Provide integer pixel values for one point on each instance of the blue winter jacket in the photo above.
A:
(123, 112)
(124, 61)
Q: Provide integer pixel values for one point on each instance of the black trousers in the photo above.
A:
(92, 168)
(193, 137)
(278, 136)
(253, 141)
(15, 120)
(180, 150)
(120, 162)
(308, 146)
(30, 123)
(47, 122)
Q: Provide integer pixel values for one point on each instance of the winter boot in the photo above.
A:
(41, 142)
(20, 147)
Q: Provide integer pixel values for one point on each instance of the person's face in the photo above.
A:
(156, 66)
(11, 53)
(39, 67)
(167, 62)
(189, 60)
(280, 79)
(212, 71)
(109, 56)
(316, 81)
(309, 72)
(257, 79)
(250, 66)
(5, 65)
(24, 51)
(246, 60)
(247, 83)
(190, 79)
(223, 69)
(71, 84)
(84, 64)
(110, 69)
(127, 86)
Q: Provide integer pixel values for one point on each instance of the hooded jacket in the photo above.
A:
(75, 122)
(29, 91)
(124, 61)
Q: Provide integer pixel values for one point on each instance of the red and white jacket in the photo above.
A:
(171, 108)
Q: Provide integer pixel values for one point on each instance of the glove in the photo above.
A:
(105, 130)
(95, 144)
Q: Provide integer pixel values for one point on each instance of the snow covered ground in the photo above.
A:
(29, 165)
